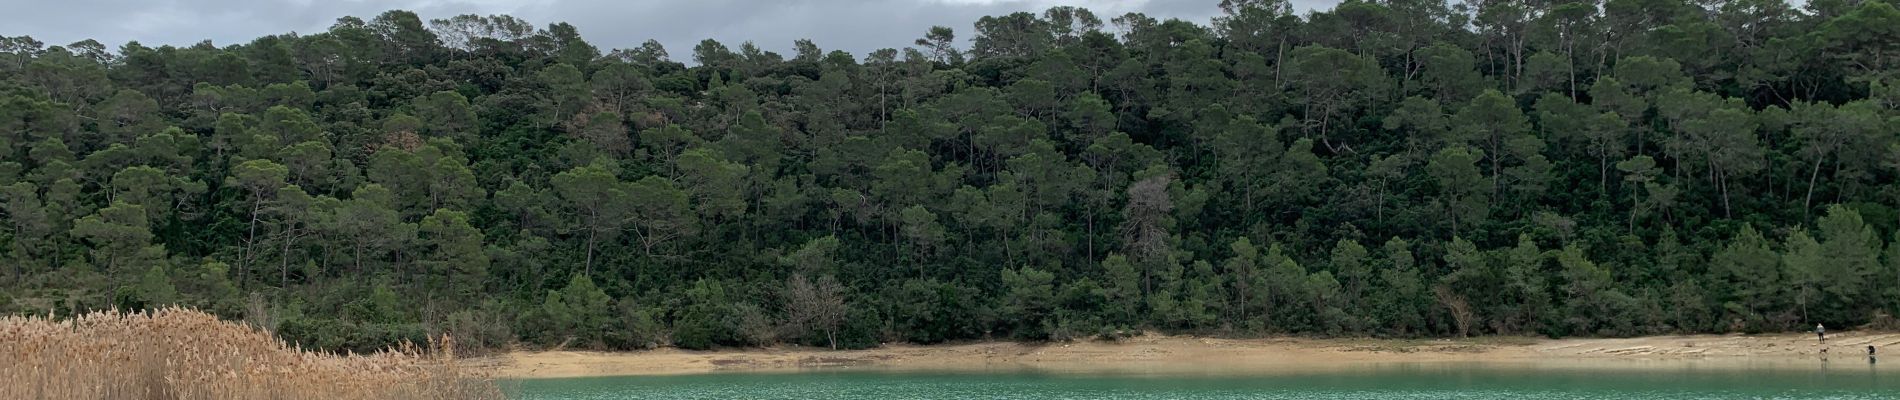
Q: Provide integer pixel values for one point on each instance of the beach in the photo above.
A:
(1154, 351)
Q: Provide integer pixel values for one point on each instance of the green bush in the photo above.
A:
(639, 329)
(340, 336)
(703, 327)
(860, 331)
(475, 330)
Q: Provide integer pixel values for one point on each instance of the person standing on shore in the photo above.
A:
(1820, 332)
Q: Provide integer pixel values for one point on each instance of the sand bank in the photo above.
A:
(1186, 352)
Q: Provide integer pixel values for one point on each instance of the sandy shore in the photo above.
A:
(1160, 352)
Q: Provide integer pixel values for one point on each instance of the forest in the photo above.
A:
(1383, 168)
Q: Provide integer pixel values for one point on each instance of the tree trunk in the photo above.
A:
(1603, 175)
(250, 240)
(1570, 61)
(589, 267)
(1633, 207)
(1279, 60)
(1378, 206)
(1450, 208)
(1091, 237)
(1497, 166)
(1639, 141)
(1727, 212)
(1243, 299)
(283, 264)
(1807, 205)
(1804, 303)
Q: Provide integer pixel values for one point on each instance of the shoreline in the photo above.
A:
(1149, 353)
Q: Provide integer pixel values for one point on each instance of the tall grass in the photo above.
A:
(186, 355)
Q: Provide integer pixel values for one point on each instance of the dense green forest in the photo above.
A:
(1390, 168)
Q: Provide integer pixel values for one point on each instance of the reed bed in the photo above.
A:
(180, 354)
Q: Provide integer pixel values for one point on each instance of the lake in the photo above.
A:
(1840, 378)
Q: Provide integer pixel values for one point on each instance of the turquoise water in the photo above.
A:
(1650, 380)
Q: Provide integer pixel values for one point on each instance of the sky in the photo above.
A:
(856, 26)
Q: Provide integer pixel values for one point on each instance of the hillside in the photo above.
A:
(1385, 168)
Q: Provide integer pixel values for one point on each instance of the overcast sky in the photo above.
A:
(857, 26)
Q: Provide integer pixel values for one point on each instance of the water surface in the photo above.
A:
(1785, 379)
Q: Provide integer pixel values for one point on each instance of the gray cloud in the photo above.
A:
(856, 26)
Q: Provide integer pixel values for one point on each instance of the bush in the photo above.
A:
(1114, 334)
(639, 329)
(338, 336)
(755, 327)
(477, 330)
(928, 311)
(315, 334)
(710, 319)
(1882, 321)
(703, 327)
(860, 329)
(1070, 326)
(580, 312)
(382, 306)
(546, 324)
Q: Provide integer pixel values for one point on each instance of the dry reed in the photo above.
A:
(179, 354)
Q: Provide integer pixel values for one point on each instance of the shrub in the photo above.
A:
(338, 336)
(709, 319)
(755, 326)
(703, 327)
(860, 330)
(477, 330)
(639, 329)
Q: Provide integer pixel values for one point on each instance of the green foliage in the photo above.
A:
(1647, 168)
(350, 336)
(708, 318)
(639, 328)
(1029, 302)
(155, 287)
(455, 261)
